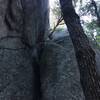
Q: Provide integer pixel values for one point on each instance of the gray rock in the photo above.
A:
(16, 75)
(18, 35)
(60, 77)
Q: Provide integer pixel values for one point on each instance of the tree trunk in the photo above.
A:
(22, 29)
(84, 53)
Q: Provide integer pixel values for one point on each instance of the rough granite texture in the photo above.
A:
(16, 61)
(59, 73)
(16, 78)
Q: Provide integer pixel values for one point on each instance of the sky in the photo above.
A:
(52, 18)
(51, 2)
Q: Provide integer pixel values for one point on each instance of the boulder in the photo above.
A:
(60, 78)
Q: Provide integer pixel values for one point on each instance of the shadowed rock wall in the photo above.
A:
(60, 77)
(21, 25)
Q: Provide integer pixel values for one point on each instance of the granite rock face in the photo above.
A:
(60, 76)
(16, 75)
(19, 32)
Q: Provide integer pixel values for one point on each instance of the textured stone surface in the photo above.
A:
(16, 75)
(59, 73)
(15, 61)
(19, 30)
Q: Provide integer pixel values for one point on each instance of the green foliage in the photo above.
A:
(93, 27)
(98, 39)
(87, 9)
(59, 29)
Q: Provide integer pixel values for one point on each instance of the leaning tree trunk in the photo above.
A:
(22, 28)
(84, 53)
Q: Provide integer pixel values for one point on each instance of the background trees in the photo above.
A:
(87, 12)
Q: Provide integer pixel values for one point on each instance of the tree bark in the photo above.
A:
(84, 53)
